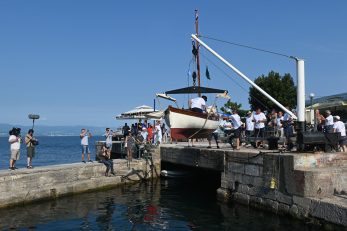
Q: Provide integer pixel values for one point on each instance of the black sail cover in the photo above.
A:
(195, 89)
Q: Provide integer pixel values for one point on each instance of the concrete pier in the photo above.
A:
(42, 183)
(303, 185)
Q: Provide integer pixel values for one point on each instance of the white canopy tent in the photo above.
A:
(139, 112)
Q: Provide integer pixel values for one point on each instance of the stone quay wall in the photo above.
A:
(49, 182)
(305, 185)
(193, 157)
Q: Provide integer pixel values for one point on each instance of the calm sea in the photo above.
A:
(165, 204)
(51, 150)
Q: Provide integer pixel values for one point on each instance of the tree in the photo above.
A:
(281, 88)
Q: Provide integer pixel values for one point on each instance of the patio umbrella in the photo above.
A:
(139, 112)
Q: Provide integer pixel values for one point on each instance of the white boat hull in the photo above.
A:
(187, 124)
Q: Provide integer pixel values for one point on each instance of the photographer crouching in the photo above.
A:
(15, 141)
(31, 143)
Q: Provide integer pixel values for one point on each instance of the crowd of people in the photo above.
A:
(258, 124)
(143, 133)
(134, 137)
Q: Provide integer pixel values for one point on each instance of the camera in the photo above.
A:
(14, 131)
(34, 142)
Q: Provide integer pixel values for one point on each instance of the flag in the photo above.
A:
(207, 73)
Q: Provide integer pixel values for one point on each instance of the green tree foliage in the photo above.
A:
(281, 88)
(228, 106)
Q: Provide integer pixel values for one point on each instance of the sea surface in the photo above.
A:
(51, 150)
(185, 203)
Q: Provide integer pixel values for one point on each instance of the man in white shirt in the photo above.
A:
(85, 135)
(215, 134)
(329, 122)
(259, 119)
(236, 120)
(249, 126)
(340, 127)
(15, 141)
(198, 104)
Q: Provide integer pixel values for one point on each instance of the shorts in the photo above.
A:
(108, 145)
(259, 132)
(85, 149)
(329, 128)
(249, 133)
(227, 131)
(214, 135)
(31, 152)
(195, 109)
(288, 131)
(237, 132)
(343, 141)
(15, 153)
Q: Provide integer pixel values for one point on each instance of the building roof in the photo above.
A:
(331, 101)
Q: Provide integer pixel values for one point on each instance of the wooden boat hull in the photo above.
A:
(188, 124)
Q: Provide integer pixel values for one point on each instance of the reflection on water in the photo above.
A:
(157, 205)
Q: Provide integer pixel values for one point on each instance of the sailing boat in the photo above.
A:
(184, 123)
(187, 124)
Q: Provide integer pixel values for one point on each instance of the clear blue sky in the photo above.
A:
(83, 62)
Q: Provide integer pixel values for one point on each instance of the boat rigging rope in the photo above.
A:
(249, 47)
(232, 79)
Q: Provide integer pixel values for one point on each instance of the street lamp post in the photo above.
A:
(312, 95)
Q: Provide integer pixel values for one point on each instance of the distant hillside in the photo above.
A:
(41, 130)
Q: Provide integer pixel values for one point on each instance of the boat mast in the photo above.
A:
(197, 48)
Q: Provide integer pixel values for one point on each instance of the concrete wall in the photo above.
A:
(301, 192)
(307, 185)
(27, 185)
(72, 207)
(193, 157)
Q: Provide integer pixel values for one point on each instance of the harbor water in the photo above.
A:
(171, 204)
(187, 202)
